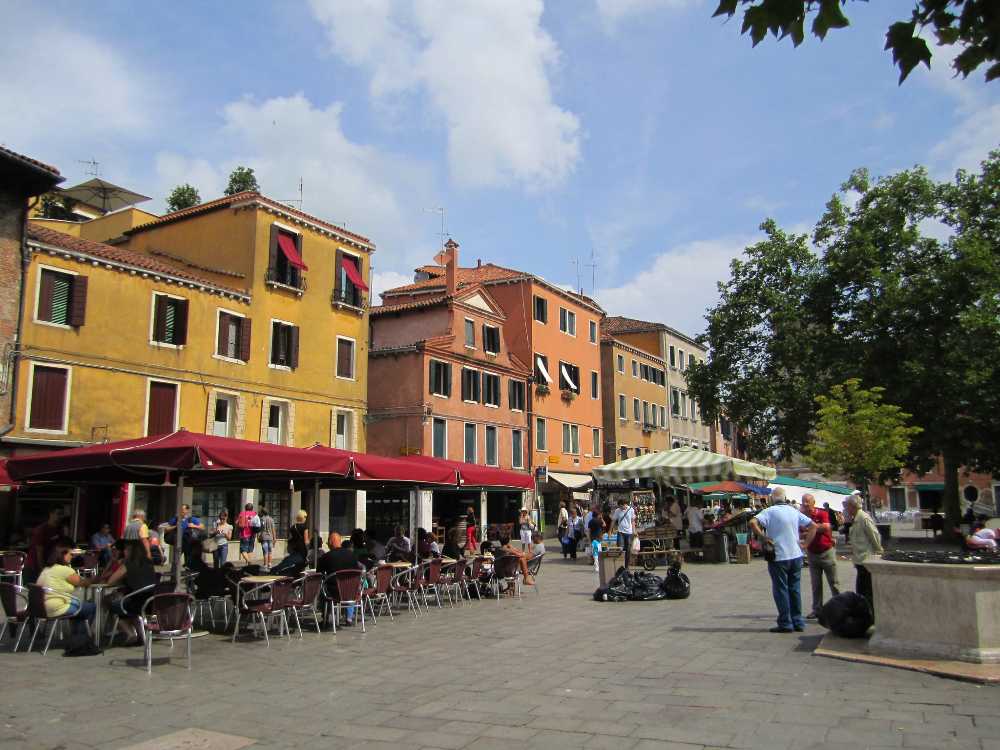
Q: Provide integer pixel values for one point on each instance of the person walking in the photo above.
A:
(865, 542)
(527, 528)
(676, 517)
(185, 528)
(624, 516)
(780, 527)
(572, 533)
(223, 533)
(267, 535)
(245, 523)
(471, 531)
(821, 554)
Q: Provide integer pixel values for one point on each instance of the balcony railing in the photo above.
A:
(292, 282)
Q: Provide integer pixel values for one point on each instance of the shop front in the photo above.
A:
(562, 487)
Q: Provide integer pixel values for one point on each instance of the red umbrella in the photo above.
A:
(731, 487)
(369, 467)
(474, 475)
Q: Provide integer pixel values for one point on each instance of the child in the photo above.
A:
(537, 545)
(595, 552)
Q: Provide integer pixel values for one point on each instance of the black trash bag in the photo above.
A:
(848, 615)
(676, 585)
(605, 594)
(81, 644)
(646, 587)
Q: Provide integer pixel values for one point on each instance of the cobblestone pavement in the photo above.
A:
(555, 671)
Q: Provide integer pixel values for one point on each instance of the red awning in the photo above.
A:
(368, 467)
(731, 487)
(352, 273)
(5, 479)
(474, 475)
(287, 246)
(154, 459)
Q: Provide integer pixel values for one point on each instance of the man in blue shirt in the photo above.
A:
(188, 522)
(782, 525)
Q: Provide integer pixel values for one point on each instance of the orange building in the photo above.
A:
(444, 383)
(558, 333)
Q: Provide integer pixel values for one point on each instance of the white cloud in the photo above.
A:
(484, 68)
(613, 12)
(679, 286)
(66, 95)
(382, 280)
(371, 192)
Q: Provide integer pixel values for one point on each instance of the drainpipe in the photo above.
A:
(25, 262)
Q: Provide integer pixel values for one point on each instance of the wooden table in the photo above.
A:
(399, 564)
(262, 579)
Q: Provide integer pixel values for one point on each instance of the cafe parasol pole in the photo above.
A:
(314, 521)
(176, 562)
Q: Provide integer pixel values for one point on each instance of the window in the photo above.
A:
(517, 449)
(571, 438)
(233, 337)
(348, 283)
(491, 389)
(673, 362)
(277, 422)
(897, 499)
(161, 408)
(691, 360)
(644, 371)
(224, 419)
(542, 370)
(62, 298)
(491, 445)
(491, 339)
(345, 357)
(594, 385)
(623, 452)
(516, 394)
(285, 345)
(343, 429)
(170, 317)
(440, 378)
(470, 443)
(285, 264)
(541, 443)
(597, 442)
(645, 413)
(470, 385)
(593, 332)
(663, 416)
(684, 398)
(635, 369)
(621, 364)
(638, 451)
(567, 321)
(680, 359)
(622, 406)
(470, 333)
(635, 409)
(440, 438)
(541, 310)
(694, 409)
(48, 399)
(569, 377)
(675, 402)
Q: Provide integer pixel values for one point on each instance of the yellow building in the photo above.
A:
(201, 319)
(633, 382)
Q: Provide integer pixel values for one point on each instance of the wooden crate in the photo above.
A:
(742, 554)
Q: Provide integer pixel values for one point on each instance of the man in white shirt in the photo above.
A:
(624, 516)
(696, 525)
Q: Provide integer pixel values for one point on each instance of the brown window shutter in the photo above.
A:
(159, 317)
(293, 346)
(245, 339)
(181, 323)
(48, 398)
(272, 253)
(338, 275)
(447, 380)
(78, 302)
(430, 372)
(223, 334)
(45, 296)
(162, 405)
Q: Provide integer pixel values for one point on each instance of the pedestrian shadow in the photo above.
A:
(809, 643)
(689, 629)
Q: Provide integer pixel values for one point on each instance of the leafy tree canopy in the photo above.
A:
(858, 435)
(973, 25)
(242, 179)
(901, 289)
(182, 196)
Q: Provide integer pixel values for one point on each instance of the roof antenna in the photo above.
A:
(439, 210)
(576, 267)
(593, 271)
(93, 167)
(290, 201)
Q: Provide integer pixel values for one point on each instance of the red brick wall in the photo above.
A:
(11, 226)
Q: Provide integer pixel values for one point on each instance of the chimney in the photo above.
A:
(479, 262)
(451, 266)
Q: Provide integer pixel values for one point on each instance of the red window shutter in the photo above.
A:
(293, 346)
(159, 317)
(245, 339)
(48, 398)
(45, 296)
(162, 405)
(78, 302)
(181, 322)
(223, 334)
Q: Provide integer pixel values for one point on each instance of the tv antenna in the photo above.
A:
(290, 201)
(576, 268)
(92, 167)
(593, 270)
(439, 210)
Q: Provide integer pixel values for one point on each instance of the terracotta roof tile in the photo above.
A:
(228, 200)
(430, 269)
(30, 162)
(418, 304)
(619, 324)
(465, 276)
(121, 255)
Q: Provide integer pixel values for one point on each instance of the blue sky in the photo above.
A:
(643, 131)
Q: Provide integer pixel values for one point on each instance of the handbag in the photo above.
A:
(768, 551)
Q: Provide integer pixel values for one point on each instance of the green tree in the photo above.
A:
(880, 299)
(242, 179)
(182, 196)
(973, 25)
(858, 435)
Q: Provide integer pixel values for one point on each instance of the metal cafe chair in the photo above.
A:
(349, 589)
(14, 600)
(12, 566)
(38, 613)
(167, 617)
(305, 598)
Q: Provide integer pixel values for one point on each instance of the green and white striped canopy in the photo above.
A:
(683, 466)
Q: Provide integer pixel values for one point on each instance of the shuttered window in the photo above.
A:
(170, 317)
(440, 438)
(516, 388)
(285, 345)
(491, 389)
(234, 337)
(345, 358)
(491, 445)
(517, 449)
(62, 298)
(48, 398)
(491, 339)
(470, 385)
(162, 408)
(470, 443)
(440, 378)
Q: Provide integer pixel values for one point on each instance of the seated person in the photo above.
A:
(375, 548)
(359, 543)
(102, 542)
(137, 573)
(398, 546)
(424, 544)
(116, 561)
(340, 557)
(62, 580)
(452, 547)
(981, 538)
(537, 544)
(507, 549)
(491, 543)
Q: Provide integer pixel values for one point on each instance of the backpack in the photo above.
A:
(81, 644)
(255, 522)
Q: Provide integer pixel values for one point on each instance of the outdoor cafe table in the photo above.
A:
(95, 593)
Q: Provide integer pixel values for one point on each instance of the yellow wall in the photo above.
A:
(113, 225)
(72, 228)
(112, 357)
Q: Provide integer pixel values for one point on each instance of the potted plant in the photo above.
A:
(568, 395)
